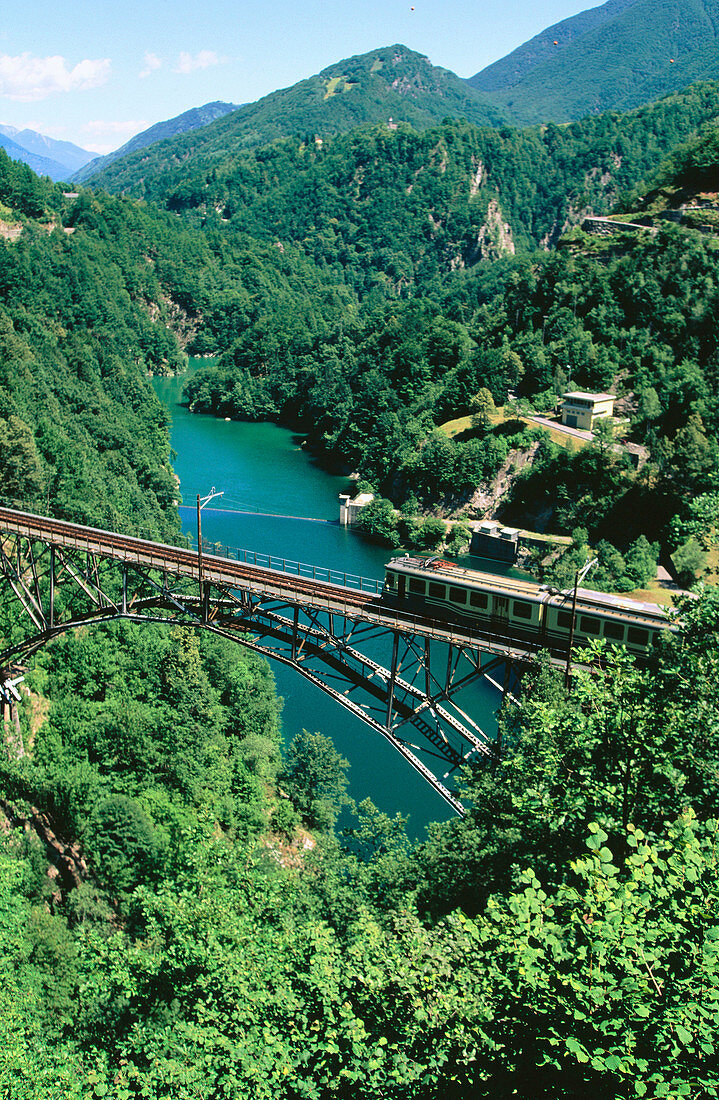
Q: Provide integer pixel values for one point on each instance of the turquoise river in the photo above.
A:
(262, 469)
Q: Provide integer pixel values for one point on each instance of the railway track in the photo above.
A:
(256, 579)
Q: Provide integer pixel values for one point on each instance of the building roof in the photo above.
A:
(590, 396)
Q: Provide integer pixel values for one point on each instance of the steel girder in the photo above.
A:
(401, 684)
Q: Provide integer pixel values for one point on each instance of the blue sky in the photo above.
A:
(98, 72)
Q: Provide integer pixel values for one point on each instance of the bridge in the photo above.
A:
(399, 673)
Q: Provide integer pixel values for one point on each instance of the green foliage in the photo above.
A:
(315, 775)
(560, 940)
(614, 56)
(125, 847)
(378, 522)
(689, 561)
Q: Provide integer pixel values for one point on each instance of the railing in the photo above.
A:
(294, 568)
(186, 541)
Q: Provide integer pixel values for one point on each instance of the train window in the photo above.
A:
(437, 590)
(478, 599)
(458, 595)
(522, 610)
(615, 631)
(390, 580)
(416, 585)
(637, 637)
(564, 619)
(588, 625)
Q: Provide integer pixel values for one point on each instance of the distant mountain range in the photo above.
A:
(193, 119)
(392, 84)
(618, 56)
(56, 159)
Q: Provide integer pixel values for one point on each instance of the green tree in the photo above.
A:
(378, 522)
(315, 775)
(689, 560)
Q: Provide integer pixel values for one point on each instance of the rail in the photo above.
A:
(295, 568)
(362, 598)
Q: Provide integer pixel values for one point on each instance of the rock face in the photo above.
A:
(495, 237)
(487, 498)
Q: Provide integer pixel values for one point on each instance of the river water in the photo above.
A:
(262, 469)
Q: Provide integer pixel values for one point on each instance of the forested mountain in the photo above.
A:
(190, 120)
(96, 292)
(509, 188)
(180, 914)
(390, 83)
(407, 223)
(43, 165)
(615, 56)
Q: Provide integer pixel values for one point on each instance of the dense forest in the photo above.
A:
(190, 908)
(616, 55)
(390, 83)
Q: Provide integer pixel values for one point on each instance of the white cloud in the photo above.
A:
(132, 126)
(205, 59)
(104, 137)
(152, 63)
(27, 78)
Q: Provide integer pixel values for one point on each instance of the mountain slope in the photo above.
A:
(65, 153)
(390, 83)
(465, 193)
(614, 57)
(43, 166)
(193, 119)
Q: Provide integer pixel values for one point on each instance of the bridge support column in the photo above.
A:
(392, 680)
(51, 609)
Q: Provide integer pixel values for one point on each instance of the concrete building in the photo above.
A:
(491, 540)
(350, 509)
(582, 410)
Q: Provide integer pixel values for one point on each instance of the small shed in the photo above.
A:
(350, 509)
(582, 410)
(491, 540)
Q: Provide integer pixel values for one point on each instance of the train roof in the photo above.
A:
(587, 597)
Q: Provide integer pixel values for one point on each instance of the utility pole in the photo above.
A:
(201, 502)
(578, 576)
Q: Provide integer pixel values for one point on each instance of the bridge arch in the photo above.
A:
(399, 674)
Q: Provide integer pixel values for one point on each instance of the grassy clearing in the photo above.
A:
(453, 428)
(654, 593)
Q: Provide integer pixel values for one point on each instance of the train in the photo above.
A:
(538, 614)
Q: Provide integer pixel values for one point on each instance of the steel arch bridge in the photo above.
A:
(400, 674)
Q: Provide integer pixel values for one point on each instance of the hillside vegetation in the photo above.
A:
(183, 912)
(393, 82)
(613, 57)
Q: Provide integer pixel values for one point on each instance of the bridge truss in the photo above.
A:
(399, 675)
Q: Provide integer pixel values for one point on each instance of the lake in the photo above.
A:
(261, 468)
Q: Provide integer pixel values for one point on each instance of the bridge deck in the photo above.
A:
(259, 580)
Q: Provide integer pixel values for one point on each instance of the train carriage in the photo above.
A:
(522, 610)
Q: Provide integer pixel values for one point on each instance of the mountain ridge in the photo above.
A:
(618, 56)
(42, 166)
(390, 84)
(45, 155)
(193, 119)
